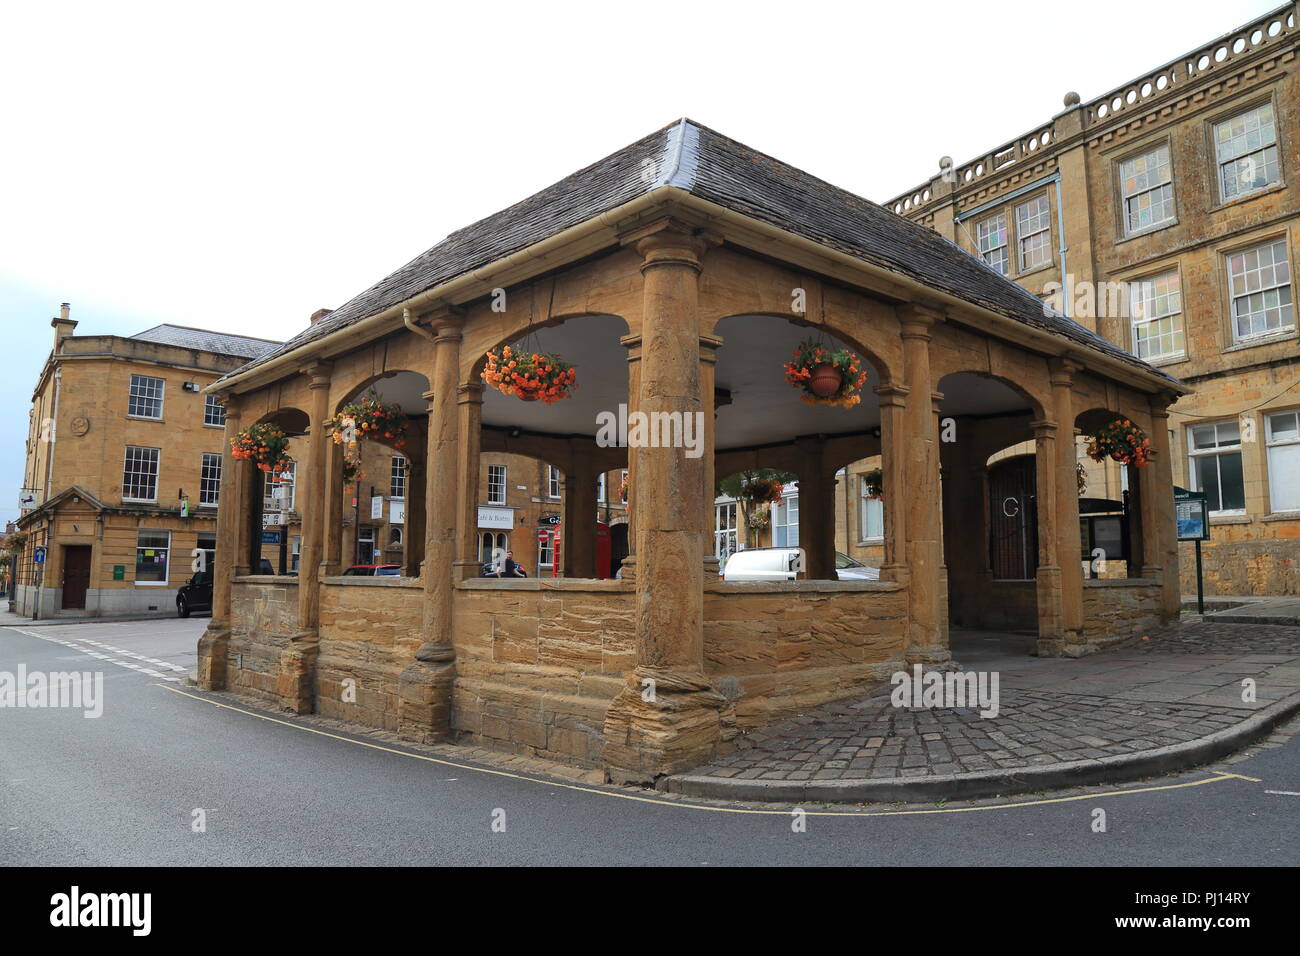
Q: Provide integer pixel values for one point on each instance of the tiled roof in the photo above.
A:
(707, 164)
(206, 341)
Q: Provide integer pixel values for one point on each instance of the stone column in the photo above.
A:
(709, 345)
(415, 452)
(1161, 498)
(215, 642)
(633, 345)
(332, 534)
(469, 414)
(578, 526)
(1068, 551)
(296, 686)
(425, 687)
(666, 718)
(925, 642)
(1047, 469)
(893, 461)
(816, 511)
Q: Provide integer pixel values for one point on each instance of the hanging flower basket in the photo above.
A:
(1122, 441)
(369, 417)
(1081, 476)
(266, 445)
(759, 491)
(760, 518)
(352, 469)
(875, 482)
(530, 376)
(826, 376)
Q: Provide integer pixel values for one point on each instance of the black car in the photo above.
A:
(195, 594)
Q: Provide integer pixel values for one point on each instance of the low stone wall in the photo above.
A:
(538, 661)
(370, 629)
(775, 648)
(1007, 605)
(263, 616)
(1115, 609)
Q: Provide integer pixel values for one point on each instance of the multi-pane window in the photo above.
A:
(140, 474)
(151, 550)
(210, 480)
(1146, 183)
(1214, 452)
(991, 237)
(1156, 310)
(871, 513)
(726, 537)
(496, 490)
(397, 480)
(1282, 431)
(214, 413)
(146, 398)
(1259, 282)
(545, 552)
(1246, 150)
(492, 547)
(785, 522)
(552, 481)
(1034, 233)
(278, 495)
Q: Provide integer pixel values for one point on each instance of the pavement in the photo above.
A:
(171, 776)
(1169, 701)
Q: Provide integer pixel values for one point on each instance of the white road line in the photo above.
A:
(1284, 793)
(129, 665)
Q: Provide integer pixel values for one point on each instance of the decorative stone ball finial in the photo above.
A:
(1071, 98)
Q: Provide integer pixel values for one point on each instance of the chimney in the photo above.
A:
(319, 314)
(63, 325)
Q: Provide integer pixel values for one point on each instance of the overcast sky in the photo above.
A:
(238, 166)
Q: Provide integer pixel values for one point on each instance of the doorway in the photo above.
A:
(1013, 519)
(76, 576)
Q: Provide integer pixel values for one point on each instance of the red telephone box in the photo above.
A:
(603, 553)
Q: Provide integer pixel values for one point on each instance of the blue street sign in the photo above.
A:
(38, 556)
(271, 537)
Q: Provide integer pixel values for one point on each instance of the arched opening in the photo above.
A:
(274, 532)
(1110, 505)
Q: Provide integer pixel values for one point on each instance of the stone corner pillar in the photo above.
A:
(1051, 641)
(214, 645)
(667, 718)
(925, 641)
(425, 687)
(296, 684)
(469, 482)
(1068, 552)
(1159, 498)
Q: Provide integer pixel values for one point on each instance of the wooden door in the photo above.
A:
(76, 575)
(1013, 519)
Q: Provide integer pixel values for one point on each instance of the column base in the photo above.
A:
(213, 648)
(296, 686)
(424, 694)
(629, 568)
(1069, 644)
(463, 570)
(661, 723)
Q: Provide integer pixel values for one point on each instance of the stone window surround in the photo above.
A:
(1240, 243)
(1229, 111)
(1148, 146)
(1173, 357)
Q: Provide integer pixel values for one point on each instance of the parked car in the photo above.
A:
(780, 564)
(373, 571)
(195, 594)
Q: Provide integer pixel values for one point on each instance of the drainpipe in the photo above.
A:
(1060, 225)
(417, 329)
(54, 428)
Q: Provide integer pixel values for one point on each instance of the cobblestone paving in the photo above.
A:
(1183, 683)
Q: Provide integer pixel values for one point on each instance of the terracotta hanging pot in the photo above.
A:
(825, 380)
(527, 396)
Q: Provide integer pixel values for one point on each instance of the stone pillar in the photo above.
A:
(469, 415)
(1047, 470)
(925, 643)
(415, 452)
(425, 687)
(709, 345)
(633, 345)
(296, 686)
(331, 562)
(816, 511)
(578, 526)
(1068, 551)
(215, 642)
(893, 461)
(666, 719)
(1161, 498)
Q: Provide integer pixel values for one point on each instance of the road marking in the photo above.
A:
(1284, 793)
(659, 801)
(75, 645)
(1240, 777)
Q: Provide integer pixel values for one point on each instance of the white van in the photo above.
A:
(782, 564)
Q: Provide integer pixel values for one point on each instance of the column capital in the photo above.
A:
(1062, 371)
(318, 374)
(1043, 428)
(469, 393)
(917, 319)
(891, 394)
(670, 241)
(1160, 402)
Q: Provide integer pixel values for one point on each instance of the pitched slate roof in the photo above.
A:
(206, 341)
(707, 164)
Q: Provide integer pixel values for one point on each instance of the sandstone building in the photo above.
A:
(1165, 215)
(676, 275)
(123, 468)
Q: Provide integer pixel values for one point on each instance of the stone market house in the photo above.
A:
(677, 275)
(123, 468)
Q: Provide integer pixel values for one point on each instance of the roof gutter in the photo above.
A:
(466, 286)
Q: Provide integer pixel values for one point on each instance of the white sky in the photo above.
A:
(237, 166)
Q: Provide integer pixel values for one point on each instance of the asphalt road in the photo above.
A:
(122, 789)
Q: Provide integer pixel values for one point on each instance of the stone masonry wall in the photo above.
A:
(264, 614)
(1117, 609)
